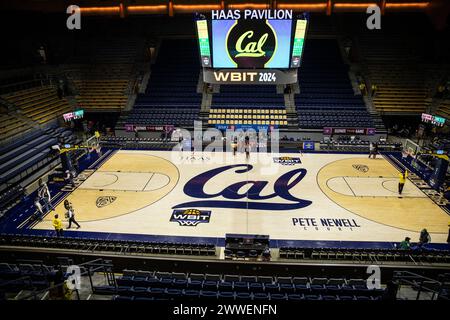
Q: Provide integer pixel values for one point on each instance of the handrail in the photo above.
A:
(84, 273)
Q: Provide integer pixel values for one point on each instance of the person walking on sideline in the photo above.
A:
(38, 206)
(402, 180)
(70, 214)
(57, 224)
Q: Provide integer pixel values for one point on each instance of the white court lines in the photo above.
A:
(372, 187)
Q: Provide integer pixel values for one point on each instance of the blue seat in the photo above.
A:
(240, 286)
(226, 295)
(144, 299)
(261, 296)
(209, 285)
(271, 288)
(139, 281)
(156, 292)
(225, 286)
(278, 296)
(287, 288)
(209, 295)
(191, 294)
(346, 298)
(243, 296)
(174, 294)
(139, 291)
(312, 297)
(123, 298)
(124, 290)
(256, 287)
(180, 283)
(195, 284)
(166, 282)
(295, 297)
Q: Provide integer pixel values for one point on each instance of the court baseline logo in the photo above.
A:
(190, 217)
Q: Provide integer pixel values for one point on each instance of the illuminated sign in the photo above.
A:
(78, 114)
(249, 76)
(251, 43)
(203, 41)
(299, 39)
(429, 118)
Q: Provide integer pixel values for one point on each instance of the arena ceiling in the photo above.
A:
(124, 8)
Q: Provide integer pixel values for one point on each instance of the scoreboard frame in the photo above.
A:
(266, 76)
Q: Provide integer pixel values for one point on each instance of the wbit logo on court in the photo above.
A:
(190, 217)
(361, 167)
(104, 201)
(287, 161)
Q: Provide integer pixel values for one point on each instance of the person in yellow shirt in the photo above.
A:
(57, 224)
(402, 180)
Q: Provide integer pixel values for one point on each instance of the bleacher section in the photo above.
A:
(101, 88)
(393, 64)
(326, 97)
(102, 72)
(28, 154)
(171, 96)
(142, 285)
(249, 104)
(444, 109)
(232, 116)
(24, 276)
(378, 256)
(10, 125)
(40, 104)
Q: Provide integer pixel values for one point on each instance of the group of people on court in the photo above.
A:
(43, 204)
(243, 143)
(70, 215)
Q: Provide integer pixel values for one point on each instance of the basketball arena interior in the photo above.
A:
(204, 151)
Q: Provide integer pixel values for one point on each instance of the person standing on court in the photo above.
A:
(38, 205)
(57, 224)
(247, 147)
(402, 180)
(70, 214)
(44, 194)
(234, 145)
(373, 149)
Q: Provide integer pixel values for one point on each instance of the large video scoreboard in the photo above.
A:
(251, 46)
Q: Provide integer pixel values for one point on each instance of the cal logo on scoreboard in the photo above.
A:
(190, 217)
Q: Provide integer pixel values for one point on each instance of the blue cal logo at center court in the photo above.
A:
(190, 217)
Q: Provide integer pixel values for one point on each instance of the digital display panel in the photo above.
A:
(299, 39)
(250, 44)
(203, 42)
(78, 114)
(429, 118)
